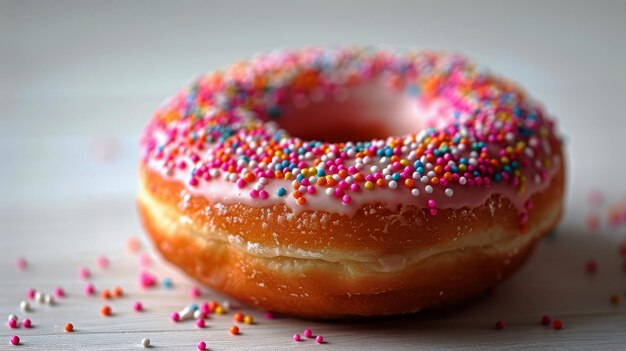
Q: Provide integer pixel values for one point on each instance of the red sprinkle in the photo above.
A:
(557, 324)
(500, 325)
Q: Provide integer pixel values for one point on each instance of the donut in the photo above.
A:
(350, 182)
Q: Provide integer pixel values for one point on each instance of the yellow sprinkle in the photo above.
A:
(369, 185)
(404, 162)
(288, 176)
(248, 319)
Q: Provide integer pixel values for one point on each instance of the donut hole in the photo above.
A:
(360, 113)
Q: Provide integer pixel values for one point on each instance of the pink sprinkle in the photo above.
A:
(346, 199)
(263, 194)
(30, 293)
(175, 317)
(193, 181)
(26, 323)
(102, 262)
(433, 211)
(15, 340)
(21, 263)
(89, 289)
(59, 292)
(268, 315)
(241, 183)
(254, 193)
(319, 339)
(84, 273)
(137, 306)
(12, 323)
(296, 337)
(202, 345)
(144, 260)
(205, 309)
(146, 279)
(431, 203)
(200, 323)
(308, 333)
(523, 218)
(195, 292)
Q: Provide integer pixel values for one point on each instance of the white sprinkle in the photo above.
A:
(393, 184)
(329, 191)
(428, 189)
(49, 299)
(25, 306)
(12, 317)
(416, 175)
(424, 179)
(145, 342)
(197, 314)
(462, 180)
(449, 192)
(415, 192)
(39, 297)
(263, 180)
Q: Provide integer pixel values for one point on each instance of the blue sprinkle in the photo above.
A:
(282, 192)
(193, 307)
(396, 176)
(299, 177)
(167, 283)
(321, 173)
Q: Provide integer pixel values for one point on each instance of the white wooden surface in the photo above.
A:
(78, 80)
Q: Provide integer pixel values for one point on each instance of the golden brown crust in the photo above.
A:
(320, 288)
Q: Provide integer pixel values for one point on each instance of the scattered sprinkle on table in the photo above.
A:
(145, 342)
(69, 327)
(15, 340)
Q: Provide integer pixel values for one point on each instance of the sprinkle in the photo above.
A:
(49, 299)
(449, 192)
(15, 340)
(69, 327)
(202, 345)
(25, 306)
(319, 339)
(105, 294)
(200, 323)
(84, 273)
(137, 306)
(234, 330)
(393, 184)
(133, 245)
(118, 292)
(12, 317)
(499, 325)
(105, 310)
(308, 333)
(89, 289)
(59, 292)
(26, 323)
(167, 283)
(238, 317)
(546, 320)
(195, 292)
(175, 317)
(102, 262)
(21, 263)
(12, 323)
(219, 310)
(346, 199)
(144, 260)
(296, 337)
(40, 297)
(30, 293)
(281, 192)
(268, 315)
(557, 324)
(146, 279)
(145, 342)
(248, 319)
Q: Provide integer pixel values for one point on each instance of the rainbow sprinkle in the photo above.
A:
(224, 126)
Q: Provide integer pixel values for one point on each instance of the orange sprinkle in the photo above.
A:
(434, 180)
(248, 177)
(359, 177)
(234, 330)
(69, 327)
(343, 173)
(105, 294)
(105, 310)
(321, 181)
(118, 292)
(238, 317)
(301, 201)
(380, 182)
(409, 182)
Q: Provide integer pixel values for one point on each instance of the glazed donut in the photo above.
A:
(350, 182)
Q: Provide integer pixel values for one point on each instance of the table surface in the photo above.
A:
(78, 80)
